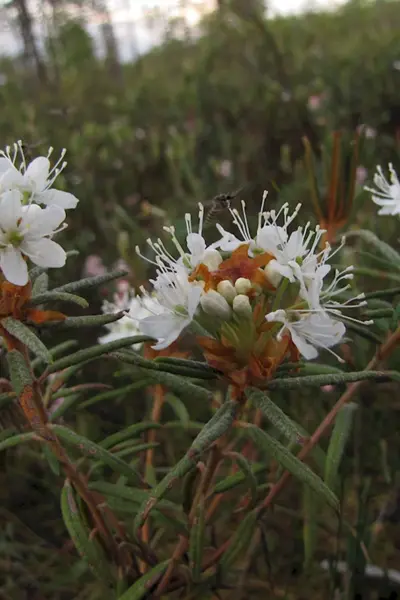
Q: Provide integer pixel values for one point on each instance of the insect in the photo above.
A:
(29, 148)
(219, 204)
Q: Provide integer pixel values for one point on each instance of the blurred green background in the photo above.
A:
(195, 116)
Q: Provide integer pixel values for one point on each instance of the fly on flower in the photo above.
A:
(219, 204)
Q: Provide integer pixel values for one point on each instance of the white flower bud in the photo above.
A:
(243, 285)
(272, 274)
(227, 290)
(241, 305)
(214, 304)
(212, 259)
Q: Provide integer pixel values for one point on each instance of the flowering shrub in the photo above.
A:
(229, 324)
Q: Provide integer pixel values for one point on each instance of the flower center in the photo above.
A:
(15, 238)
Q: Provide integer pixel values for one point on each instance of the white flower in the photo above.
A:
(176, 300)
(26, 231)
(127, 325)
(387, 194)
(34, 180)
(313, 323)
(309, 332)
(291, 252)
(197, 250)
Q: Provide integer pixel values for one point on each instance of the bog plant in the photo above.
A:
(229, 325)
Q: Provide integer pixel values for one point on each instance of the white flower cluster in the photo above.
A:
(387, 192)
(180, 292)
(26, 228)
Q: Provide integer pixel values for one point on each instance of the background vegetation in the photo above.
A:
(147, 141)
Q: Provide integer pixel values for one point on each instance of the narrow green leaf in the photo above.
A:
(92, 450)
(90, 282)
(284, 457)
(62, 408)
(134, 358)
(307, 368)
(329, 379)
(383, 275)
(247, 471)
(129, 432)
(117, 393)
(53, 296)
(176, 384)
(197, 541)
(142, 587)
(22, 333)
(56, 351)
(240, 540)
(15, 440)
(133, 495)
(179, 408)
(382, 247)
(19, 372)
(85, 321)
(337, 443)
(184, 362)
(88, 547)
(95, 352)
(217, 426)
(386, 293)
(41, 284)
(232, 481)
(274, 414)
(379, 313)
(51, 459)
(310, 524)
(363, 331)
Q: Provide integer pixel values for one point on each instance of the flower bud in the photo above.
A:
(212, 259)
(241, 305)
(227, 290)
(214, 304)
(272, 274)
(243, 285)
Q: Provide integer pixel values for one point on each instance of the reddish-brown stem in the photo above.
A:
(31, 402)
(158, 401)
(205, 481)
(383, 352)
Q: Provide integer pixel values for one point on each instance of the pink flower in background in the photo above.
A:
(122, 265)
(328, 388)
(361, 175)
(315, 101)
(123, 287)
(54, 405)
(93, 266)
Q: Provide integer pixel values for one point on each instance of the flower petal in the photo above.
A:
(10, 210)
(165, 328)
(64, 200)
(37, 173)
(38, 222)
(14, 267)
(10, 177)
(196, 246)
(44, 252)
